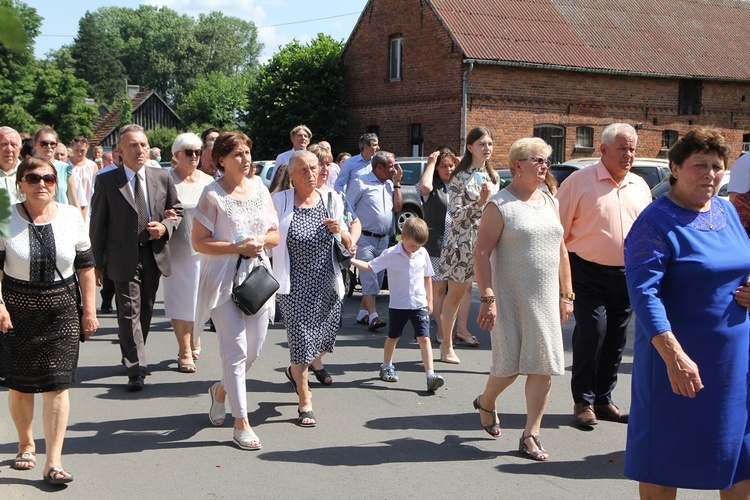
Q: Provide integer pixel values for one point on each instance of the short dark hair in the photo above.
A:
(31, 164)
(699, 140)
(225, 144)
(367, 140)
(208, 131)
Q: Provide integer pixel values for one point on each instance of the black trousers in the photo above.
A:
(135, 306)
(602, 312)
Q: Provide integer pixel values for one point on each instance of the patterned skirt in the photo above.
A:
(40, 353)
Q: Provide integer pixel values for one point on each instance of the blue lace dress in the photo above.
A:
(682, 269)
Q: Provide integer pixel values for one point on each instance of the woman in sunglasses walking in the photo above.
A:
(181, 288)
(46, 244)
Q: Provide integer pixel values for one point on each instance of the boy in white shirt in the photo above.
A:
(410, 287)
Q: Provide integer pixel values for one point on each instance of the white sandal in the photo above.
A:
(243, 438)
(218, 411)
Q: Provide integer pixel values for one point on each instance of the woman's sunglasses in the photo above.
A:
(191, 152)
(49, 179)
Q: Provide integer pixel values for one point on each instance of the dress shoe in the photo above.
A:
(135, 383)
(106, 308)
(611, 412)
(584, 414)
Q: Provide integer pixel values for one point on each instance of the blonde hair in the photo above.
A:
(416, 229)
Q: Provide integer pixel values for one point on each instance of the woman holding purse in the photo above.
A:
(234, 217)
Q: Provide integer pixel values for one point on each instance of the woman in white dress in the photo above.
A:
(234, 217)
(520, 253)
(181, 288)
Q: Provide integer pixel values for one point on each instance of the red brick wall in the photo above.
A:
(507, 100)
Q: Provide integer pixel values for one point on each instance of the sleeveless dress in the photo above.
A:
(312, 308)
(527, 337)
(682, 269)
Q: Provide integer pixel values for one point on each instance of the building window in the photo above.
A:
(373, 129)
(553, 135)
(745, 143)
(689, 102)
(584, 137)
(394, 71)
(668, 139)
(416, 139)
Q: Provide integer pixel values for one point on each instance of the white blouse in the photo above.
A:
(65, 236)
(231, 220)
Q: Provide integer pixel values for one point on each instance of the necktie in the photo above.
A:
(140, 205)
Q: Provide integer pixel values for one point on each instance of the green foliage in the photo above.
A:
(126, 110)
(217, 99)
(300, 84)
(12, 34)
(58, 102)
(162, 138)
(60, 59)
(5, 212)
(156, 48)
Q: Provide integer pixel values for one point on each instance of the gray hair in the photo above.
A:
(301, 128)
(367, 140)
(611, 131)
(187, 140)
(127, 129)
(10, 131)
(296, 158)
(381, 158)
(155, 152)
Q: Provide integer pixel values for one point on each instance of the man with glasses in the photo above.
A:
(10, 150)
(129, 237)
(598, 205)
(359, 165)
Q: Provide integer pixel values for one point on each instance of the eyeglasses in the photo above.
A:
(81, 139)
(539, 160)
(49, 179)
(48, 144)
(191, 152)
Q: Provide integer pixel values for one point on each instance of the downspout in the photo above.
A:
(464, 85)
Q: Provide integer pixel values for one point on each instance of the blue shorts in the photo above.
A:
(397, 319)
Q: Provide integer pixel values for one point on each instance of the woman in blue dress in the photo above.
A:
(687, 261)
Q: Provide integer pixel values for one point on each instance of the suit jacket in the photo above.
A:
(114, 222)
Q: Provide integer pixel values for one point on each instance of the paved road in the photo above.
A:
(373, 439)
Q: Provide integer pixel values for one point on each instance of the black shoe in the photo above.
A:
(106, 309)
(135, 383)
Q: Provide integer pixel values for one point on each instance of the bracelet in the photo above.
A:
(567, 301)
(570, 296)
(487, 298)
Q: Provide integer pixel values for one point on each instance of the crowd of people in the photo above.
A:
(596, 247)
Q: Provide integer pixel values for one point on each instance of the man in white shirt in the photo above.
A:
(10, 149)
(300, 137)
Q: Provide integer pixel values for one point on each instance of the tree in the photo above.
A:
(17, 67)
(300, 84)
(216, 99)
(96, 58)
(157, 48)
(162, 138)
(58, 101)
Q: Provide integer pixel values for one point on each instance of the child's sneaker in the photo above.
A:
(434, 383)
(388, 374)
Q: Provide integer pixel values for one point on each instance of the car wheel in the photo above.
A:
(403, 217)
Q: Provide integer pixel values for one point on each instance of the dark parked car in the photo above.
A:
(413, 168)
(653, 170)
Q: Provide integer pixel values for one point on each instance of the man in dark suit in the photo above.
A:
(129, 235)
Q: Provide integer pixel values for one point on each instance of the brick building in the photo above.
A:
(420, 73)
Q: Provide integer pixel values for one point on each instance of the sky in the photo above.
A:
(278, 21)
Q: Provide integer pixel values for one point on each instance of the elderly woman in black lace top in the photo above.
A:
(39, 323)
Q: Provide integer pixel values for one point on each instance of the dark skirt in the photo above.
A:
(40, 353)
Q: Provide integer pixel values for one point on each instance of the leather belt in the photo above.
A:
(372, 235)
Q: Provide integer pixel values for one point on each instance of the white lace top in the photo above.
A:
(232, 220)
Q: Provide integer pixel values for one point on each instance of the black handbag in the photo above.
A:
(343, 256)
(77, 294)
(254, 292)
